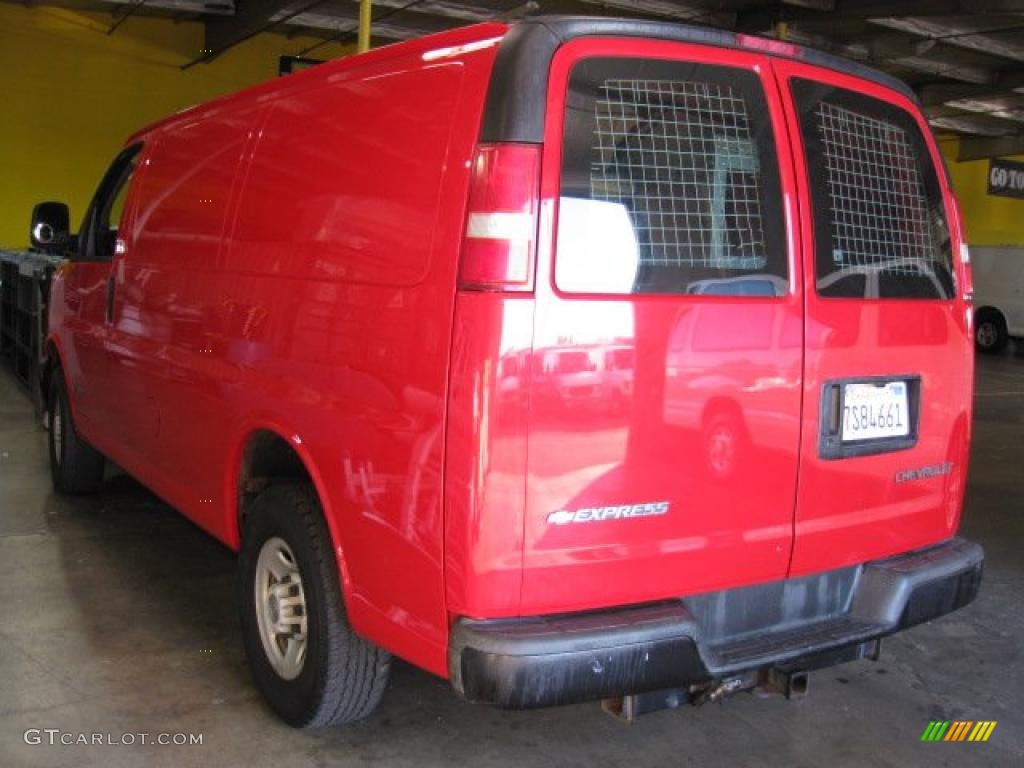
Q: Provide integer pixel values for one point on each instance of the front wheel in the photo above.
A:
(75, 466)
(309, 664)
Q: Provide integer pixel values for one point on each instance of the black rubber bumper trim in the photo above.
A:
(544, 661)
(551, 660)
(909, 589)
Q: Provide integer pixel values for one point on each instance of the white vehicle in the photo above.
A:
(998, 295)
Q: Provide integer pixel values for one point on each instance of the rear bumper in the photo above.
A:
(549, 660)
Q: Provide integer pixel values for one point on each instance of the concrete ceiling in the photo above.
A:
(965, 58)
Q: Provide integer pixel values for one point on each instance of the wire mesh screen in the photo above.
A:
(681, 157)
(878, 202)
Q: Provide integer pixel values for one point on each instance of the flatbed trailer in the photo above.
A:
(24, 294)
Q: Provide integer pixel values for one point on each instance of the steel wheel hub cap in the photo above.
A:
(281, 608)
(987, 334)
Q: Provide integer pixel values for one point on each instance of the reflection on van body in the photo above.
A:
(598, 376)
(713, 363)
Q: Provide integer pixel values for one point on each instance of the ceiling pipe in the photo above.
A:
(365, 22)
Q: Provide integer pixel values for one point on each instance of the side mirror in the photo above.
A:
(51, 228)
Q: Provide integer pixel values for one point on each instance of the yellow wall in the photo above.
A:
(988, 219)
(70, 95)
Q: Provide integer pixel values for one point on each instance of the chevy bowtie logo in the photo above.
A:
(598, 514)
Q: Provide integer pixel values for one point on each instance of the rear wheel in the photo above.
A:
(75, 466)
(311, 667)
(990, 333)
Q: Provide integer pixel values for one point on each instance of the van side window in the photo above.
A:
(103, 217)
(880, 226)
(115, 209)
(670, 182)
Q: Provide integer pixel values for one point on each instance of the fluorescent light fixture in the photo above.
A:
(217, 7)
(342, 24)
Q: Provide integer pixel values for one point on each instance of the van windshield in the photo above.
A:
(880, 228)
(670, 182)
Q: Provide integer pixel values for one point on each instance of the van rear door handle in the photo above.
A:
(110, 299)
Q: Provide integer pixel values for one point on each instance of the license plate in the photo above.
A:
(875, 410)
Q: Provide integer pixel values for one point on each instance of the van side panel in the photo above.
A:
(341, 271)
(486, 468)
(999, 282)
(169, 337)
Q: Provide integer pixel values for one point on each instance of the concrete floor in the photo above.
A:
(117, 615)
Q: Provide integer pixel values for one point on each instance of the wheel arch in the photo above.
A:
(264, 451)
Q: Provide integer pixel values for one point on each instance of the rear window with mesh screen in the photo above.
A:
(670, 182)
(880, 226)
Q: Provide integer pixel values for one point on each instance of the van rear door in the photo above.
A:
(666, 367)
(888, 363)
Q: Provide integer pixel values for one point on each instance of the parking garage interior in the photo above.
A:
(120, 615)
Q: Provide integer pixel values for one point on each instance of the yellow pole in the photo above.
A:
(365, 15)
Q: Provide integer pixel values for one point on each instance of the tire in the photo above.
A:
(75, 466)
(990, 333)
(341, 677)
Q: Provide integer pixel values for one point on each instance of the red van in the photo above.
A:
(567, 360)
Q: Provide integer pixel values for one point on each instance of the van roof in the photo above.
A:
(524, 59)
(266, 91)
(512, 112)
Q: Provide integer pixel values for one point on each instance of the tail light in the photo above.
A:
(501, 226)
(962, 253)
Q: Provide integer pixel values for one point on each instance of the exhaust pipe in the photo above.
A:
(791, 683)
